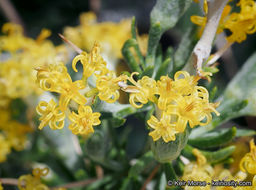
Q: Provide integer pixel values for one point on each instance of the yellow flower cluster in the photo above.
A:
(179, 102)
(239, 24)
(115, 34)
(33, 182)
(202, 171)
(248, 162)
(19, 55)
(12, 134)
(55, 78)
(198, 171)
(242, 23)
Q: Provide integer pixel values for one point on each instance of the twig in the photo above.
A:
(10, 12)
(150, 177)
(9, 181)
(78, 183)
(99, 172)
(95, 5)
(203, 47)
(77, 49)
(219, 53)
(12, 181)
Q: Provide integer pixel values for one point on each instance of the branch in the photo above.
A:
(150, 177)
(78, 183)
(9, 181)
(12, 181)
(77, 49)
(10, 12)
(203, 47)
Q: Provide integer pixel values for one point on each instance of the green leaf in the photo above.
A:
(148, 71)
(214, 138)
(117, 122)
(129, 56)
(182, 54)
(141, 164)
(164, 16)
(164, 69)
(212, 70)
(245, 132)
(127, 184)
(136, 46)
(212, 93)
(169, 171)
(162, 182)
(212, 157)
(97, 184)
(243, 87)
(179, 167)
(168, 12)
(116, 111)
(153, 40)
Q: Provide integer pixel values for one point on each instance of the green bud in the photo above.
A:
(166, 152)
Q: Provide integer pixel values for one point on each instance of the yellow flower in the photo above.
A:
(192, 110)
(16, 134)
(92, 63)
(20, 56)
(5, 148)
(115, 34)
(37, 172)
(185, 84)
(83, 121)
(57, 79)
(142, 91)
(248, 162)
(243, 23)
(181, 101)
(50, 114)
(1, 187)
(32, 182)
(201, 21)
(198, 171)
(49, 77)
(165, 91)
(13, 134)
(163, 128)
(108, 87)
(14, 37)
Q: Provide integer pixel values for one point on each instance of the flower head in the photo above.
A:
(50, 114)
(5, 148)
(108, 87)
(83, 122)
(31, 182)
(198, 171)
(163, 128)
(20, 56)
(56, 79)
(248, 162)
(115, 34)
(142, 91)
(242, 23)
(165, 91)
(92, 63)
